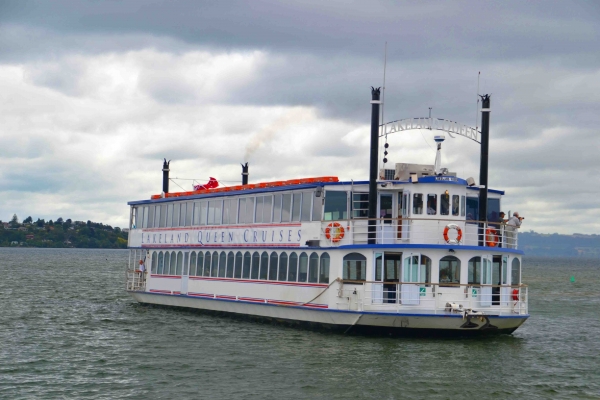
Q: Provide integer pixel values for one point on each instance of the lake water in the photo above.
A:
(69, 330)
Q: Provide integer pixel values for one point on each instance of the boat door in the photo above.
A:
(377, 291)
(391, 275)
(411, 273)
(386, 233)
(486, 280)
(185, 276)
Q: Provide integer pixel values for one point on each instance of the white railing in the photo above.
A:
(433, 298)
(135, 280)
(419, 231)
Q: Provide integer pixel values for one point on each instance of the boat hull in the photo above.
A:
(358, 322)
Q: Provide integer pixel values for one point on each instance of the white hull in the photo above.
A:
(344, 320)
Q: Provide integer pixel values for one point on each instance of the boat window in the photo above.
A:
(324, 268)
(215, 212)
(296, 205)
(378, 267)
(249, 210)
(313, 268)
(169, 215)
(317, 207)
(154, 262)
(355, 267)
(425, 269)
(303, 268)
(222, 264)
(462, 206)
(182, 207)
(411, 269)
(455, 204)
(214, 265)
(306, 206)
(150, 217)
(493, 210)
(189, 214)
(179, 269)
(161, 263)
(336, 206)
(237, 273)
(286, 208)
(445, 204)
(193, 263)
(186, 263)
(173, 263)
(230, 262)
(515, 278)
(166, 263)
(242, 212)
(229, 211)
(157, 262)
(360, 205)
(418, 203)
(199, 263)
(259, 209)
(145, 218)
(277, 208)
(431, 204)
(474, 271)
(283, 261)
(449, 270)
(157, 216)
(247, 262)
(264, 266)
(504, 270)
(255, 265)
(293, 268)
(163, 215)
(176, 211)
(273, 267)
(472, 208)
(207, 260)
(134, 223)
(197, 214)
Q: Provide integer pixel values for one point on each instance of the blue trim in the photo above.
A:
(450, 180)
(489, 190)
(449, 315)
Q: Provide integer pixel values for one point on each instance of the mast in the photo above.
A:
(483, 165)
(375, 102)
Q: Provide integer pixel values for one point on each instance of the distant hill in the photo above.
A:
(61, 234)
(555, 245)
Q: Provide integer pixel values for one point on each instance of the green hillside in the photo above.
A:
(61, 233)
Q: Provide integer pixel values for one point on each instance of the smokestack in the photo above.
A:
(166, 176)
(375, 102)
(244, 174)
(483, 165)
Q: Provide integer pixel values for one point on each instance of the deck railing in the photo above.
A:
(135, 280)
(419, 231)
(432, 297)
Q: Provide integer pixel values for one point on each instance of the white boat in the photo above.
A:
(305, 252)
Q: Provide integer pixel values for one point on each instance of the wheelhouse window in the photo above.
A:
(462, 206)
(354, 267)
(296, 206)
(449, 270)
(277, 208)
(336, 206)
(418, 203)
(286, 208)
(230, 211)
(360, 205)
(455, 205)
(264, 209)
(317, 207)
(431, 204)
(445, 204)
(472, 209)
(474, 271)
(188, 214)
(306, 206)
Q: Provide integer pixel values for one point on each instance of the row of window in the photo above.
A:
(417, 268)
(227, 264)
(287, 207)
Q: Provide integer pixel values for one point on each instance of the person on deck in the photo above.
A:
(512, 225)
(142, 269)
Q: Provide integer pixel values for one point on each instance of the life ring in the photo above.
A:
(515, 294)
(334, 232)
(491, 237)
(458, 234)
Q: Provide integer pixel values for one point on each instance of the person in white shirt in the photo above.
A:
(142, 270)
(512, 225)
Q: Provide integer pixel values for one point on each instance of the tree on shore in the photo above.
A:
(28, 220)
(14, 222)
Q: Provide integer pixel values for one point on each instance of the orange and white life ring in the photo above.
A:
(458, 234)
(491, 237)
(515, 294)
(334, 232)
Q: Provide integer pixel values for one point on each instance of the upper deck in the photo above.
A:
(322, 212)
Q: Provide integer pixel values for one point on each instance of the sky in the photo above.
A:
(94, 94)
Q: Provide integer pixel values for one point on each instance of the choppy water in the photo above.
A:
(68, 330)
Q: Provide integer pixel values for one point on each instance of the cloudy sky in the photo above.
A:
(94, 94)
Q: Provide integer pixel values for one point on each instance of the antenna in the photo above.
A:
(477, 106)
